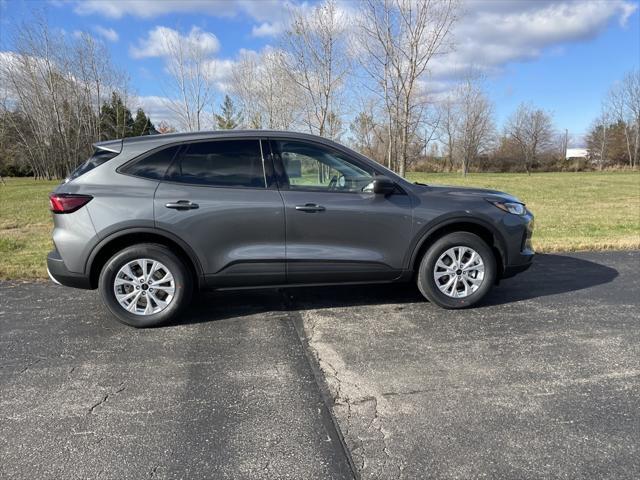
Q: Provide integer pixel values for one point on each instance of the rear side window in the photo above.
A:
(98, 158)
(223, 163)
(153, 166)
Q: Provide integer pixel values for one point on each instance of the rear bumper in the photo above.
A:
(59, 274)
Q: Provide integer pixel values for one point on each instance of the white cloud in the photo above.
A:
(107, 33)
(157, 108)
(271, 15)
(219, 71)
(267, 29)
(493, 33)
(159, 40)
(260, 10)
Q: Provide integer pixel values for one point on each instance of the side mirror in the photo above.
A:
(382, 185)
(293, 168)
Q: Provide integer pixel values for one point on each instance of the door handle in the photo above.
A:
(182, 205)
(310, 207)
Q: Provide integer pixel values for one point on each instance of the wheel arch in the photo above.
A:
(117, 241)
(461, 224)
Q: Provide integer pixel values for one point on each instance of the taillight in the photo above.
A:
(67, 202)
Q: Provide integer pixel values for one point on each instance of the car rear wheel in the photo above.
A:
(457, 271)
(145, 285)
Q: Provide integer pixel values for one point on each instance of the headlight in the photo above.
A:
(511, 207)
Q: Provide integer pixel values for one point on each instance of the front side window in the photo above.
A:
(312, 167)
(222, 163)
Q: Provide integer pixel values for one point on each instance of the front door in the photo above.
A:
(335, 231)
(215, 197)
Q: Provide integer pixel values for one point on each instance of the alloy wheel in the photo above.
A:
(144, 286)
(459, 272)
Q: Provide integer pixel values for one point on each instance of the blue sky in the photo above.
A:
(561, 55)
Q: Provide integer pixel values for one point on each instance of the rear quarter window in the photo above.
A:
(154, 165)
(98, 158)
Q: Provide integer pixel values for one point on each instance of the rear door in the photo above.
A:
(216, 198)
(335, 231)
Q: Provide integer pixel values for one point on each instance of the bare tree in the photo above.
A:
(532, 130)
(399, 38)
(190, 87)
(598, 138)
(164, 127)
(624, 105)
(55, 85)
(267, 95)
(564, 144)
(362, 132)
(448, 127)
(316, 59)
(476, 128)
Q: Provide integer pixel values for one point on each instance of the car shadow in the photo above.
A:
(550, 274)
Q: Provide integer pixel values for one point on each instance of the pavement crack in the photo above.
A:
(305, 337)
(28, 366)
(106, 397)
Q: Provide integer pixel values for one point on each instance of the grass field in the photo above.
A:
(574, 211)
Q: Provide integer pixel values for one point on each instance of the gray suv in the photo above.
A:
(147, 220)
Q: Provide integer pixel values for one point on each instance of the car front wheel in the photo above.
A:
(145, 285)
(457, 271)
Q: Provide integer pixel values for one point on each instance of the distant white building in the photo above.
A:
(576, 153)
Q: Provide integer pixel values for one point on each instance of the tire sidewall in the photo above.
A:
(160, 253)
(427, 284)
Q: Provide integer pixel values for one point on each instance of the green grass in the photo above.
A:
(574, 211)
(25, 228)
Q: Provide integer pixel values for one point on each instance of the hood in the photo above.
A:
(470, 192)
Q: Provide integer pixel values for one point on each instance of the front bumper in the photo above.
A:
(524, 258)
(59, 273)
(512, 270)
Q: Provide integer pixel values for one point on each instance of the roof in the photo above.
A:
(140, 143)
(577, 153)
(116, 145)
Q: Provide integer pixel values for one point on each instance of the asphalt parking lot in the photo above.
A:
(541, 381)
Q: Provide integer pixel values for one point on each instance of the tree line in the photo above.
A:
(60, 94)
(363, 79)
(614, 137)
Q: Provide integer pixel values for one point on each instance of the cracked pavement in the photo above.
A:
(229, 393)
(541, 381)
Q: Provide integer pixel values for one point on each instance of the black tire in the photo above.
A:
(427, 283)
(183, 283)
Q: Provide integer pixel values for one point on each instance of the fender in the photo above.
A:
(155, 231)
(440, 222)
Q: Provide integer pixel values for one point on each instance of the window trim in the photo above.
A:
(282, 173)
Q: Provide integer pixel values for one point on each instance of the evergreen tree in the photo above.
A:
(230, 118)
(142, 124)
(115, 119)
